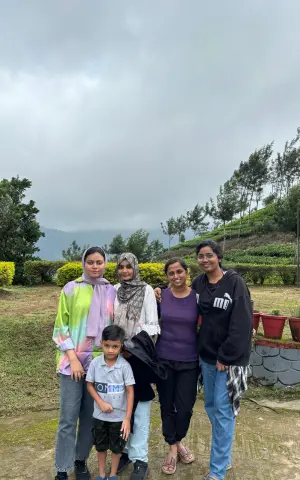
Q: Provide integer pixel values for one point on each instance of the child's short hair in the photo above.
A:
(113, 332)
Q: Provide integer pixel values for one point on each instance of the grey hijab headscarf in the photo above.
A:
(131, 296)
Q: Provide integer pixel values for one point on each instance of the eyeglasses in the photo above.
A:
(209, 256)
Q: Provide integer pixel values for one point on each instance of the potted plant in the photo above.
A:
(273, 324)
(294, 321)
(256, 319)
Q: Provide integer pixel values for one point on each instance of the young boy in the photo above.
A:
(110, 382)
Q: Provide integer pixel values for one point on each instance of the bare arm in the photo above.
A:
(104, 406)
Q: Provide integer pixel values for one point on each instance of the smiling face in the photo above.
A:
(94, 265)
(177, 275)
(125, 271)
(208, 260)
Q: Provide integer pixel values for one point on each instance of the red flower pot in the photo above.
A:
(256, 319)
(273, 325)
(295, 328)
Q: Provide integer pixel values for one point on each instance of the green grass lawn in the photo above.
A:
(27, 353)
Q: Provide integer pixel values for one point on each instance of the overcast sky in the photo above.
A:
(124, 113)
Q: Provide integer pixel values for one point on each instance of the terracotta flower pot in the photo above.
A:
(295, 328)
(256, 320)
(273, 325)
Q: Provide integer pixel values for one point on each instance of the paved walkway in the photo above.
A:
(267, 446)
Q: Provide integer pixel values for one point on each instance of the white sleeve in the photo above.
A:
(149, 322)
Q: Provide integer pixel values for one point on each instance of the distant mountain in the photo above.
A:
(55, 241)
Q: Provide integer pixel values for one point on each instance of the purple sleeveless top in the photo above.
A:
(178, 338)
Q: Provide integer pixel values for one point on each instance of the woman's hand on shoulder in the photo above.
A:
(157, 292)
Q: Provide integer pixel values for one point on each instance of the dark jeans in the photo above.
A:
(177, 396)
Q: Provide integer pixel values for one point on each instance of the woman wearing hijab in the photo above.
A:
(135, 310)
(85, 309)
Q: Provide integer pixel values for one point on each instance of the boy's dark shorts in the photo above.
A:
(107, 436)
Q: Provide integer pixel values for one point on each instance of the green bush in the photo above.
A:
(271, 250)
(7, 272)
(68, 272)
(111, 273)
(38, 272)
(257, 274)
(238, 256)
(152, 273)
(288, 274)
(266, 273)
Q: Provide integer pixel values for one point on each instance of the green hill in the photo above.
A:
(254, 239)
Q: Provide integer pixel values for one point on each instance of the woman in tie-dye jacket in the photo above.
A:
(85, 309)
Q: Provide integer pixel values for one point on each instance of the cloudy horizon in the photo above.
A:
(125, 114)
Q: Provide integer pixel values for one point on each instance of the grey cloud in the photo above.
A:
(125, 113)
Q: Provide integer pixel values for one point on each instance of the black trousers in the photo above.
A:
(177, 396)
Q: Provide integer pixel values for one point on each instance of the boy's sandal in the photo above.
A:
(169, 465)
(185, 455)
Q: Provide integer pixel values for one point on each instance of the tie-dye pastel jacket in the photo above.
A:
(70, 324)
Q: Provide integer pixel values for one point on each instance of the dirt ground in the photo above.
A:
(266, 447)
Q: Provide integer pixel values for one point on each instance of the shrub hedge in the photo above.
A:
(259, 274)
(271, 274)
(273, 250)
(152, 273)
(38, 272)
(243, 257)
(7, 272)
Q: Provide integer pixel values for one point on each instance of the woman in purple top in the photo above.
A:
(177, 350)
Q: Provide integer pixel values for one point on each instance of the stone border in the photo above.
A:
(277, 366)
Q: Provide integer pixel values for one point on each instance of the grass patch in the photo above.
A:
(27, 352)
(27, 363)
(280, 394)
(28, 433)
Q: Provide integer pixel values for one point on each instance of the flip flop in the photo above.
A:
(185, 455)
(169, 465)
